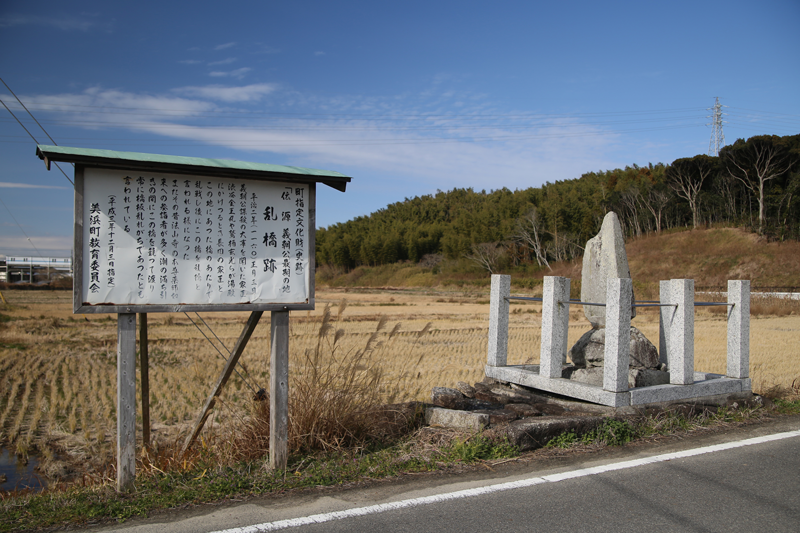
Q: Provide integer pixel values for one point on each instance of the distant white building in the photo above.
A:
(16, 269)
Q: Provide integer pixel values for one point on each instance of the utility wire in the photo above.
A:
(34, 138)
(396, 141)
(29, 112)
(294, 125)
(219, 352)
(223, 345)
(386, 116)
(20, 228)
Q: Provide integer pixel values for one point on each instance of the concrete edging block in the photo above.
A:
(451, 418)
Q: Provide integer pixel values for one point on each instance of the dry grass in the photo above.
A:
(58, 380)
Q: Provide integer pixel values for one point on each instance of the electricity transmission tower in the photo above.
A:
(717, 136)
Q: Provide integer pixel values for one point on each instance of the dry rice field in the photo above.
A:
(58, 374)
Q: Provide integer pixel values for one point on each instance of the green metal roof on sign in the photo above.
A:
(90, 157)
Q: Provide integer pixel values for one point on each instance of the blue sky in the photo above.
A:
(405, 97)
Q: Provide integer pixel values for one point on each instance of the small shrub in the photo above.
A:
(615, 432)
(565, 440)
(480, 448)
(611, 433)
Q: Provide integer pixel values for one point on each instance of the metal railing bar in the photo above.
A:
(644, 303)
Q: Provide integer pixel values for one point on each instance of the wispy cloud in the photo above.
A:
(424, 138)
(97, 107)
(239, 73)
(247, 93)
(65, 23)
(227, 61)
(224, 46)
(11, 185)
(190, 61)
(319, 53)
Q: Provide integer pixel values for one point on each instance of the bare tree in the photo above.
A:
(564, 246)
(726, 188)
(655, 201)
(686, 177)
(486, 255)
(527, 234)
(792, 188)
(630, 200)
(754, 163)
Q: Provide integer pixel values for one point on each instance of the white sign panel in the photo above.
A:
(170, 239)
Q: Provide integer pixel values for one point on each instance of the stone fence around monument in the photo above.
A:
(676, 343)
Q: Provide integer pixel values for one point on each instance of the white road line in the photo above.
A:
(553, 478)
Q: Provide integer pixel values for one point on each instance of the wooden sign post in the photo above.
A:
(165, 234)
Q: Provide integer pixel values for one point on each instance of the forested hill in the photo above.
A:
(753, 183)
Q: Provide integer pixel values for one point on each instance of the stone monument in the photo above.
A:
(605, 258)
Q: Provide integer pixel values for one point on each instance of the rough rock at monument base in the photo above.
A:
(589, 351)
(637, 377)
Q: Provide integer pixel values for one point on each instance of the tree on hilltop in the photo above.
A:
(686, 176)
(757, 161)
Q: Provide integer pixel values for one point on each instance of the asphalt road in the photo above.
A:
(681, 485)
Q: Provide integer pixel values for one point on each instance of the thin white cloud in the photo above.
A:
(557, 152)
(238, 73)
(190, 61)
(247, 93)
(11, 185)
(423, 138)
(65, 23)
(224, 46)
(319, 53)
(227, 61)
(103, 104)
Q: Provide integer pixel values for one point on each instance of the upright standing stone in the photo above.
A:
(603, 259)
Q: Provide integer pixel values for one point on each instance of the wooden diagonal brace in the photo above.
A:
(227, 370)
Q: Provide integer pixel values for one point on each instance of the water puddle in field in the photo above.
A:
(16, 474)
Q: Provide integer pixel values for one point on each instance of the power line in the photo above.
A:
(34, 139)
(20, 228)
(37, 122)
(339, 116)
(28, 110)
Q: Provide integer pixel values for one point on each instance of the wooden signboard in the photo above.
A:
(158, 233)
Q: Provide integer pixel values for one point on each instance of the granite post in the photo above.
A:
(738, 329)
(618, 334)
(680, 338)
(664, 317)
(498, 320)
(555, 321)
